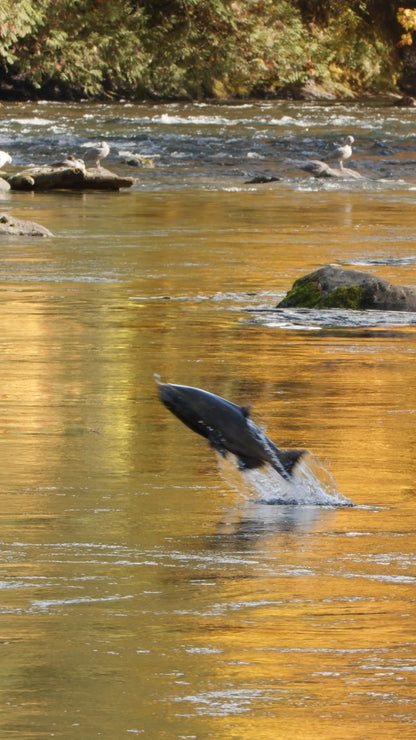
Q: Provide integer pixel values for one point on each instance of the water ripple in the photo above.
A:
(311, 319)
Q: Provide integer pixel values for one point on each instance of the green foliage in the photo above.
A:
(351, 50)
(195, 48)
(91, 45)
(18, 18)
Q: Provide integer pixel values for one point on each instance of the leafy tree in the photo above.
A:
(18, 19)
(90, 45)
(195, 48)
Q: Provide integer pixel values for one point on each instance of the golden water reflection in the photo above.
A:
(140, 594)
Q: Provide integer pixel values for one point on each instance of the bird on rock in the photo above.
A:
(70, 161)
(95, 154)
(5, 158)
(342, 151)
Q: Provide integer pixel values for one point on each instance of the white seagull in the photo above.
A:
(5, 158)
(342, 151)
(96, 154)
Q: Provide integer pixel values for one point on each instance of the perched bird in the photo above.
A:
(70, 161)
(342, 151)
(5, 158)
(96, 154)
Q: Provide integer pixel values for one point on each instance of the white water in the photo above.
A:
(311, 484)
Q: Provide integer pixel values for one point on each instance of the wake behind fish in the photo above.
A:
(310, 484)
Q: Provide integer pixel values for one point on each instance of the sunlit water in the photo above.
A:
(148, 588)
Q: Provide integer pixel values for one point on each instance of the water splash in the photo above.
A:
(311, 484)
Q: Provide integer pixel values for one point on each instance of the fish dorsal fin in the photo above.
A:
(245, 410)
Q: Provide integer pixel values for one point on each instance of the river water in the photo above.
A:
(146, 588)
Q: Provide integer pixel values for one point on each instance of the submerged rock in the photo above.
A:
(16, 227)
(259, 179)
(333, 287)
(137, 160)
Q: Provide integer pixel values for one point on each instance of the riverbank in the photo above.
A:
(20, 90)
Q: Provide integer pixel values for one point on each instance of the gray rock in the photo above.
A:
(333, 287)
(321, 169)
(309, 90)
(16, 227)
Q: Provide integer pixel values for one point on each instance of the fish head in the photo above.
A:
(187, 404)
(173, 397)
(205, 413)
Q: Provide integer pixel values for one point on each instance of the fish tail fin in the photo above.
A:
(289, 458)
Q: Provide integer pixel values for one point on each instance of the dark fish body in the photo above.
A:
(227, 427)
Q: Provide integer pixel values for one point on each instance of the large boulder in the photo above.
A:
(333, 287)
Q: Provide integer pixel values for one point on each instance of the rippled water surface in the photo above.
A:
(147, 587)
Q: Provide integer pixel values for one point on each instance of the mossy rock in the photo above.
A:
(332, 287)
(303, 293)
(348, 296)
(307, 294)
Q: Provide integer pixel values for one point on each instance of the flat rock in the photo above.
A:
(321, 169)
(333, 287)
(68, 178)
(16, 227)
